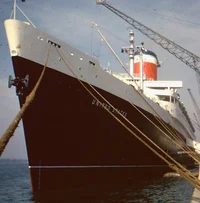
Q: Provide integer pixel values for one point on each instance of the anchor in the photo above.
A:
(19, 83)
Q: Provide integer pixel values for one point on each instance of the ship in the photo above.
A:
(86, 122)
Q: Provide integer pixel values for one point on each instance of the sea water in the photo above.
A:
(15, 188)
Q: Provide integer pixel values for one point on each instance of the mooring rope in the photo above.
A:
(29, 99)
(176, 166)
(176, 140)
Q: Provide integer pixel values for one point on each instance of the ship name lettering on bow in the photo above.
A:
(107, 106)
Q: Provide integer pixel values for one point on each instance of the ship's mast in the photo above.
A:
(14, 9)
(141, 70)
(131, 52)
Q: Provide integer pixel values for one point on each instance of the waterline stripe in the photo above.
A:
(101, 166)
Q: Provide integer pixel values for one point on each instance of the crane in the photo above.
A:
(187, 57)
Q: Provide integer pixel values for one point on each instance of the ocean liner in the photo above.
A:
(80, 127)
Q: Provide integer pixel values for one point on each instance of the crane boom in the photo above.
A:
(187, 57)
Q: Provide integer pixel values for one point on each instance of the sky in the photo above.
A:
(71, 22)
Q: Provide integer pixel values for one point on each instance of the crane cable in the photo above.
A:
(192, 153)
(175, 166)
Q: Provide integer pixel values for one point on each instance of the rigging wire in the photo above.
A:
(171, 17)
(25, 16)
(91, 45)
(98, 47)
(11, 15)
(112, 34)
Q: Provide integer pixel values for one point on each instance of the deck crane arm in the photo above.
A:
(179, 52)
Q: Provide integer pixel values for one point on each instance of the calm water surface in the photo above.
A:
(15, 187)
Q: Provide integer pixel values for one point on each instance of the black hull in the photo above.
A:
(71, 140)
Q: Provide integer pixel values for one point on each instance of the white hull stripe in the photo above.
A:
(98, 166)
